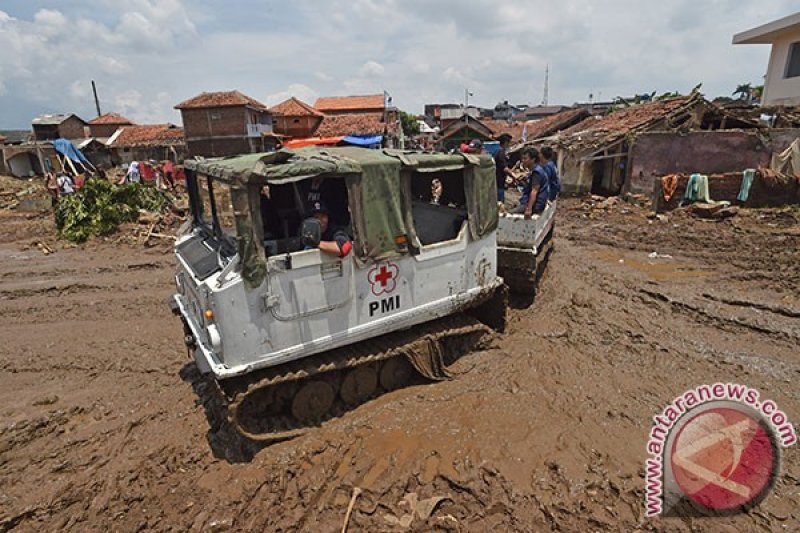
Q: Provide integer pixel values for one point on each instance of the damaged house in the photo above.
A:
(158, 142)
(596, 154)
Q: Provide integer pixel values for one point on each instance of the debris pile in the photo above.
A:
(100, 207)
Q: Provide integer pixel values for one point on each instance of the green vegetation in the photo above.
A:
(101, 206)
(409, 123)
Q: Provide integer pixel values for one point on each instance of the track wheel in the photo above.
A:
(313, 400)
(395, 373)
(359, 384)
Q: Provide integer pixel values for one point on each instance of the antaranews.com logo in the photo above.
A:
(714, 450)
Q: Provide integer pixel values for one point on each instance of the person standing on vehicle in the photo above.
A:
(535, 193)
(550, 168)
(501, 166)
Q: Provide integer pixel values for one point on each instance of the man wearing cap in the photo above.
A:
(334, 241)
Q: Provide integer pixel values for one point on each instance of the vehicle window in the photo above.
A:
(438, 205)
(284, 207)
(224, 205)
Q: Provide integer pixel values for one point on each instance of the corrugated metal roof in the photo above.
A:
(54, 119)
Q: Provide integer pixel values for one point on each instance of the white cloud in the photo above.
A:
(371, 69)
(147, 55)
(298, 90)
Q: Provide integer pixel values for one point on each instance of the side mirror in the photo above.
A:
(311, 232)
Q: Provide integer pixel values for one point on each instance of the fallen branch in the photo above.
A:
(356, 492)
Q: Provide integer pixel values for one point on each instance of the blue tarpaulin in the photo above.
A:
(373, 140)
(67, 149)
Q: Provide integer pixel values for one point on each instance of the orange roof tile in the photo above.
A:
(360, 124)
(147, 135)
(373, 102)
(294, 108)
(632, 118)
(110, 118)
(220, 99)
(536, 129)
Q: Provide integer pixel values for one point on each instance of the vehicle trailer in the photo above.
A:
(293, 335)
(523, 247)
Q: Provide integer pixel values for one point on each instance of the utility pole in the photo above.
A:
(546, 84)
(96, 100)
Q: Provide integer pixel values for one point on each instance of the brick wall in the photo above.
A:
(296, 126)
(103, 130)
(214, 122)
(72, 128)
(763, 193)
(653, 155)
(221, 147)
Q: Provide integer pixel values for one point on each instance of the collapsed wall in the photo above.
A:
(768, 190)
(657, 154)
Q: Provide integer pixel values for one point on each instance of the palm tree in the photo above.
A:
(745, 90)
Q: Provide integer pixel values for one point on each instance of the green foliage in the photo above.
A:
(101, 206)
(409, 123)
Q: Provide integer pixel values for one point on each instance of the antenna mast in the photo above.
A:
(546, 84)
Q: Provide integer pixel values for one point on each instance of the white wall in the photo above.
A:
(777, 89)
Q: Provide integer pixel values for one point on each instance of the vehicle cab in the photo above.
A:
(254, 293)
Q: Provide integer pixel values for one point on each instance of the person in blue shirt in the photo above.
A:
(535, 193)
(550, 168)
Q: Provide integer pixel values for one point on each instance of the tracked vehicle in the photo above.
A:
(293, 335)
(523, 247)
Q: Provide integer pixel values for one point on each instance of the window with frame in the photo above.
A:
(793, 63)
(438, 205)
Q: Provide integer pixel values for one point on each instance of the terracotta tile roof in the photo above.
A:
(536, 129)
(294, 108)
(631, 119)
(110, 118)
(3, 138)
(220, 99)
(472, 123)
(147, 135)
(499, 127)
(350, 103)
(360, 124)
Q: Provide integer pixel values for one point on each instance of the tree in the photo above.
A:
(745, 90)
(409, 124)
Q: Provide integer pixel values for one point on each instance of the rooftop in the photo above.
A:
(221, 99)
(536, 129)
(146, 135)
(767, 33)
(294, 107)
(110, 119)
(631, 118)
(350, 103)
(53, 119)
(362, 124)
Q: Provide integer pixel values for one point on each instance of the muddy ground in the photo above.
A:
(103, 430)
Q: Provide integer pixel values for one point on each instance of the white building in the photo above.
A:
(782, 84)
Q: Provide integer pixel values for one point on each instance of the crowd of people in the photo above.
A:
(65, 182)
(541, 184)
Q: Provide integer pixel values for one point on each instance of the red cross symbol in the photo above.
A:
(383, 278)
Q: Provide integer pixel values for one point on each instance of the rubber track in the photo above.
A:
(395, 344)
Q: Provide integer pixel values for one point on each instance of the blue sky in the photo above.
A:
(148, 55)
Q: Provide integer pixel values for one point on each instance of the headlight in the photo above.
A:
(213, 338)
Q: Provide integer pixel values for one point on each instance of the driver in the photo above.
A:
(333, 240)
